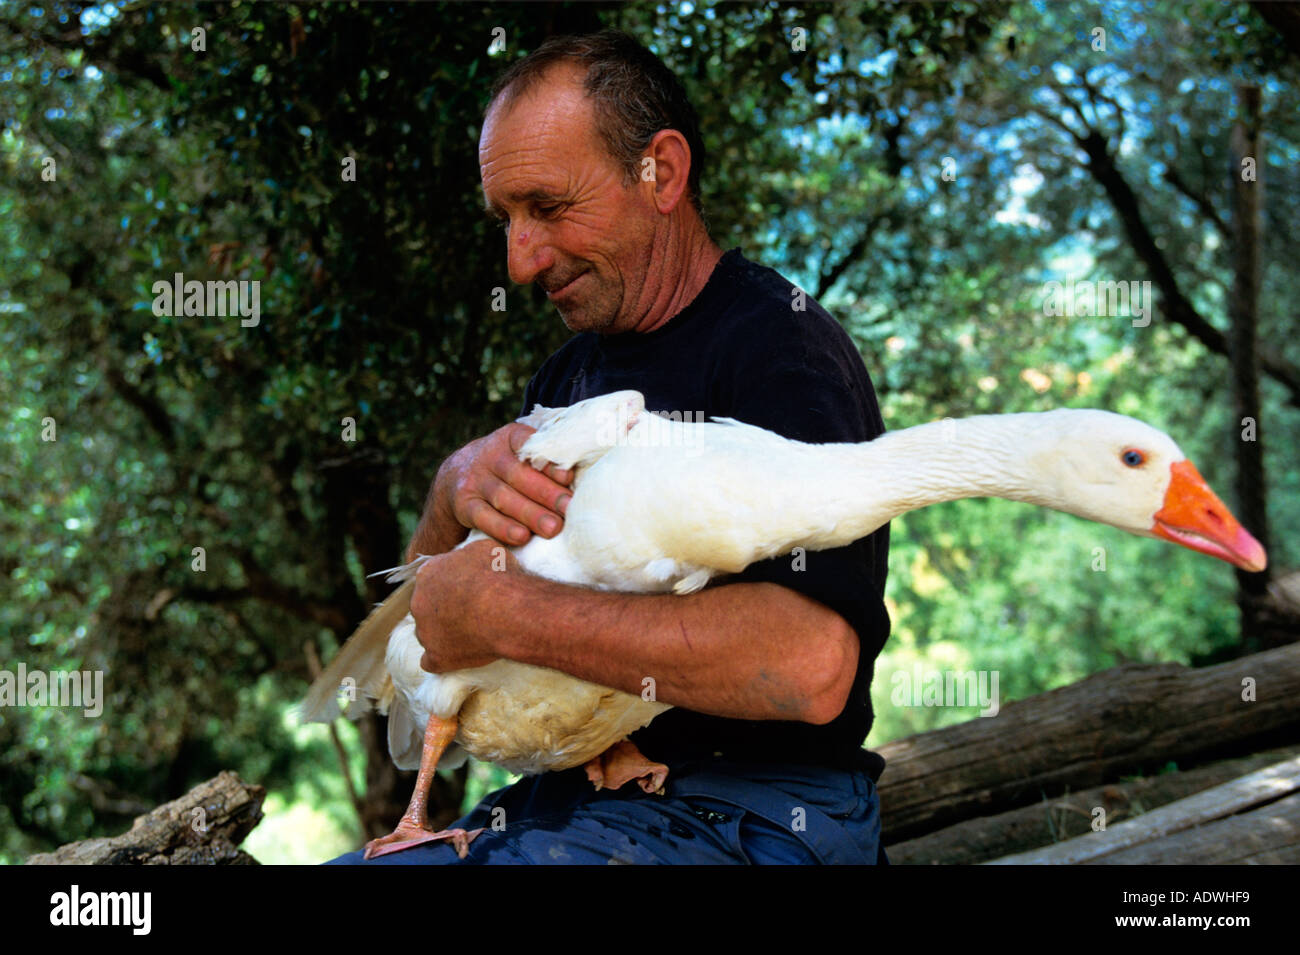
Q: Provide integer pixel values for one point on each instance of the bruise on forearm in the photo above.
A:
(790, 703)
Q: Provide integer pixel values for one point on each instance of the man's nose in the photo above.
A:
(528, 254)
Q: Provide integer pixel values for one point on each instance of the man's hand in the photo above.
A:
(486, 486)
(449, 590)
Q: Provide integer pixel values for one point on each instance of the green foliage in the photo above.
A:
(824, 162)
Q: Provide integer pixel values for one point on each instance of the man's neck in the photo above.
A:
(694, 257)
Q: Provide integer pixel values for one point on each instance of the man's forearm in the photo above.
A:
(438, 530)
(745, 651)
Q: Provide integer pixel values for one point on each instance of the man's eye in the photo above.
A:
(550, 210)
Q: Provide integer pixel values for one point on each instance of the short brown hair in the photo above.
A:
(634, 95)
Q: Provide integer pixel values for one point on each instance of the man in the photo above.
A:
(590, 156)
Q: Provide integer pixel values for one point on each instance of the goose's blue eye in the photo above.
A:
(1133, 458)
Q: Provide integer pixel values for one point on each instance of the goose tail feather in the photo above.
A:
(361, 660)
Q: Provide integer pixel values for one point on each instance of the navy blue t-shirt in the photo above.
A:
(743, 349)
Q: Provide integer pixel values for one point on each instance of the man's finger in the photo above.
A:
(531, 484)
(559, 475)
(536, 517)
(482, 515)
(518, 435)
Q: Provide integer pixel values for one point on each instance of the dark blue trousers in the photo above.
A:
(714, 813)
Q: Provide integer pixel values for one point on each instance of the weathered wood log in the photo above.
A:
(1151, 836)
(203, 827)
(1277, 615)
(1125, 721)
(1054, 820)
(1268, 835)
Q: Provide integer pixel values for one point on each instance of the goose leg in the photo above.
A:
(622, 763)
(414, 828)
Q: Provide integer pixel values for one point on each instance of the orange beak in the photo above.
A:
(1194, 517)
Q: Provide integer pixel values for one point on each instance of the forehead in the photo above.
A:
(532, 144)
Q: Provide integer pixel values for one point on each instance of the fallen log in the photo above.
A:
(1268, 835)
(1259, 812)
(1054, 820)
(1126, 721)
(203, 827)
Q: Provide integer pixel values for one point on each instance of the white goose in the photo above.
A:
(664, 506)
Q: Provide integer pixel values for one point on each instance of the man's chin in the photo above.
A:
(582, 320)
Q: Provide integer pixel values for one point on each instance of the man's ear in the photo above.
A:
(666, 165)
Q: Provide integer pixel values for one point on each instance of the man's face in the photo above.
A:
(573, 226)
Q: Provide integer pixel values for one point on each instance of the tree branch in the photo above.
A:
(314, 669)
(1200, 200)
(1101, 165)
(859, 248)
(147, 405)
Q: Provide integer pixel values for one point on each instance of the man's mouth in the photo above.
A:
(561, 290)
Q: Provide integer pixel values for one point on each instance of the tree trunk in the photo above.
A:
(1247, 195)
(1282, 17)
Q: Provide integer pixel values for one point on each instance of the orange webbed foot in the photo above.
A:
(409, 834)
(622, 763)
